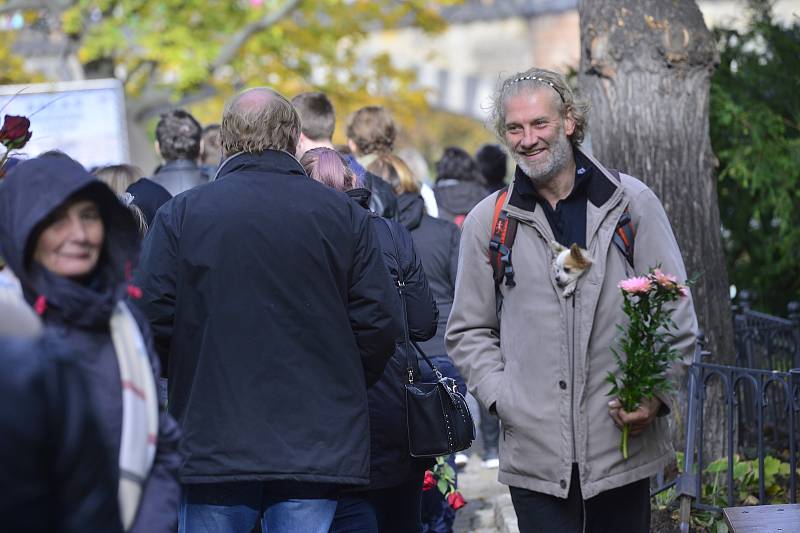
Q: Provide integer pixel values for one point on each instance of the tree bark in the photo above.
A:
(646, 68)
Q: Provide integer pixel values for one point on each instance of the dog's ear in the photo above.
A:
(580, 256)
(556, 247)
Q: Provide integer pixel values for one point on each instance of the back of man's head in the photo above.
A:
(178, 135)
(259, 119)
(317, 115)
(373, 130)
(493, 161)
(211, 154)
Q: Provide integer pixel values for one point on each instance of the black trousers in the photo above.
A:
(622, 510)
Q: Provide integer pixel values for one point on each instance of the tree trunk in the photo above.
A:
(646, 67)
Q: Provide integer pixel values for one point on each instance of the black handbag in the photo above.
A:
(438, 419)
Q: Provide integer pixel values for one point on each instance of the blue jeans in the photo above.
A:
(240, 507)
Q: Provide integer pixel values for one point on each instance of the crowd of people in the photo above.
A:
(220, 346)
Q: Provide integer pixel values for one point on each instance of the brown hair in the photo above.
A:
(329, 168)
(316, 114)
(395, 172)
(118, 177)
(372, 129)
(259, 119)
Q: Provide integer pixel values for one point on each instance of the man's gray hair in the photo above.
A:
(259, 119)
(536, 78)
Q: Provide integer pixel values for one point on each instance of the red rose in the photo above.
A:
(456, 500)
(15, 132)
(429, 482)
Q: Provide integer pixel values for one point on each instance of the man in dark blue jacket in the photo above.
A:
(272, 310)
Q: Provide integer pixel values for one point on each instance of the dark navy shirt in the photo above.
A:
(568, 219)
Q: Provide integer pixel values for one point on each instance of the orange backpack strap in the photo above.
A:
(504, 230)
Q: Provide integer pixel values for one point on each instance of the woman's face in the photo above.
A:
(71, 242)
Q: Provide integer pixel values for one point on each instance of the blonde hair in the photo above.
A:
(395, 172)
(536, 78)
(119, 177)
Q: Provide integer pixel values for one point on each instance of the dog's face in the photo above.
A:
(569, 263)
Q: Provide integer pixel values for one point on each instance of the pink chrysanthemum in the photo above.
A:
(683, 291)
(637, 285)
(667, 281)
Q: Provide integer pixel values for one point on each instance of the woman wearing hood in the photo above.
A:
(391, 502)
(72, 245)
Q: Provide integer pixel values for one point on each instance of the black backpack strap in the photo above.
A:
(504, 230)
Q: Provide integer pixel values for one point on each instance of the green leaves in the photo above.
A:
(755, 132)
(645, 353)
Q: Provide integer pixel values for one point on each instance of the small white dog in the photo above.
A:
(568, 265)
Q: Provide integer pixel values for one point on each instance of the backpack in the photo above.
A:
(504, 230)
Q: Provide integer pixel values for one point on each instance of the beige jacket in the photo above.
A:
(544, 361)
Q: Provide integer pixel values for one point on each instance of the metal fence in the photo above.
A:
(764, 342)
(761, 400)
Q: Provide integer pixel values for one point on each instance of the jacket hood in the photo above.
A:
(458, 196)
(412, 209)
(361, 196)
(28, 195)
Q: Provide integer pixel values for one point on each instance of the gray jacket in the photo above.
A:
(543, 362)
(179, 176)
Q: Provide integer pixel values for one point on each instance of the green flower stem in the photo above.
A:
(623, 445)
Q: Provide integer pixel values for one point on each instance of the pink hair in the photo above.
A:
(329, 168)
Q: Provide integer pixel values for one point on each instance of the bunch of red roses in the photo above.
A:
(443, 477)
(14, 134)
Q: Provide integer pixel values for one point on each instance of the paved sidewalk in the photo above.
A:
(489, 507)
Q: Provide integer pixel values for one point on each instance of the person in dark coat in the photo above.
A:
(71, 243)
(178, 137)
(273, 312)
(56, 473)
(436, 242)
(392, 501)
(148, 196)
(493, 162)
(459, 185)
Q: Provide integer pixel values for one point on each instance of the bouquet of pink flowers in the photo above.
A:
(645, 342)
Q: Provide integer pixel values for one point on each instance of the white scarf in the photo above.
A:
(139, 411)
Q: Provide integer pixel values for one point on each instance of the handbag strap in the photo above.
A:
(412, 367)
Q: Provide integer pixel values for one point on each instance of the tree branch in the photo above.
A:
(154, 101)
(236, 43)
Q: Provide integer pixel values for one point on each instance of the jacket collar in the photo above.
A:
(178, 165)
(604, 192)
(361, 196)
(268, 161)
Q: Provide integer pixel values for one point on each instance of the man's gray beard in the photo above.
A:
(543, 172)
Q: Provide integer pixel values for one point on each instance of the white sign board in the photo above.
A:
(84, 119)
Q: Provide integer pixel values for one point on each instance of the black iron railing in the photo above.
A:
(760, 393)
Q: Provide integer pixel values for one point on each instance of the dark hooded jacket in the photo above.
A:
(272, 310)
(390, 461)
(79, 313)
(57, 472)
(456, 198)
(436, 242)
